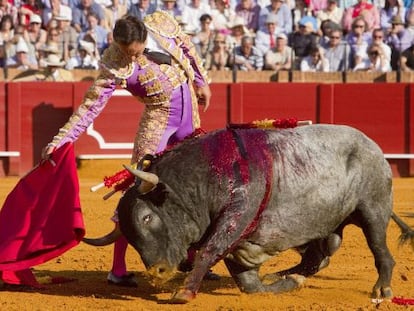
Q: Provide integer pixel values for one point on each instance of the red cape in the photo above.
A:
(42, 218)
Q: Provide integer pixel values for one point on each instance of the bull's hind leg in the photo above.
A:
(248, 281)
(315, 256)
(374, 226)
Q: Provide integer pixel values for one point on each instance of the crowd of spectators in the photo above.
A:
(248, 35)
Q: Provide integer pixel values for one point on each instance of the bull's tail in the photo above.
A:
(407, 233)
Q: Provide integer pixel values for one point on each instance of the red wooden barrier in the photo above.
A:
(256, 101)
(378, 110)
(35, 112)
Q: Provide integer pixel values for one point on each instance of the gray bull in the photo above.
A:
(245, 195)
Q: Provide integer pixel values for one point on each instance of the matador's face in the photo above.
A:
(133, 50)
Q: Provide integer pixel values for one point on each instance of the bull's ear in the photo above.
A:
(156, 196)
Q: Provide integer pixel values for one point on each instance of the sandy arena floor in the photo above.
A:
(344, 285)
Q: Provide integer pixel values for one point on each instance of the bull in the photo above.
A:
(245, 195)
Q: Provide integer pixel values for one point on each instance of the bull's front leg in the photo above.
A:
(227, 230)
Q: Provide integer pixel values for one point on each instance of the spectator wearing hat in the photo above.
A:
(249, 10)
(81, 11)
(54, 38)
(246, 56)
(141, 8)
(365, 10)
(332, 12)
(171, 7)
(192, 13)
(34, 35)
(223, 16)
(22, 60)
(84, 58)
(266, 39)
(399, 39)
(391, 8)
(47, 49)
(27, 9)
(56, 9)
(218, 58)
(283, 15)
(303, 40)
(54, 70)
(238, 31)
(280, 57)
(68, 36)
(337, 52)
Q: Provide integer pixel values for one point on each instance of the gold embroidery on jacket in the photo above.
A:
(162, 23)
(116, 62)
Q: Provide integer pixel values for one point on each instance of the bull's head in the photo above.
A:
(149, 220)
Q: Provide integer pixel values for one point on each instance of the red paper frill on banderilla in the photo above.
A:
(403, 301)
(41, 217)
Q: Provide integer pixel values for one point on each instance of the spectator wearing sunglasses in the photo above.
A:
(364, 9)
(378, 37)
(218, 58)
(337, 52)
(358, 39)
(376, 61)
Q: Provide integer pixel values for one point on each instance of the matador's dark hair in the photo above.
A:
(129, 29)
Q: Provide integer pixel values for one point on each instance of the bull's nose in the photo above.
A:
(162, 272)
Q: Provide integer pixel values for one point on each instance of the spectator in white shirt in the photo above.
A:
(314, 62)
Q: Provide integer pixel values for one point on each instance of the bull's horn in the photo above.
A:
(105, 240)
(145, 176)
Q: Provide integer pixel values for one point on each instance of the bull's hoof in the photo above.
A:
(382, 293)
(324, 263)
(299, 279)
(182, 296)
(286, 284)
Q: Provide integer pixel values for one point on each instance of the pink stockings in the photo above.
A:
(118, 264)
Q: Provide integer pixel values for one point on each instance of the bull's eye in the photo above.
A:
(147, 219)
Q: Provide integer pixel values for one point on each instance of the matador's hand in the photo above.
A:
(203, 96)
(47, 152)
